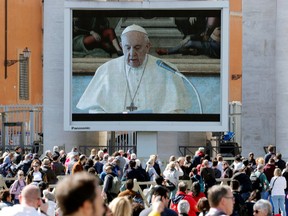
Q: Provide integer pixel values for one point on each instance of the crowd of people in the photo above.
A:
(60, 183)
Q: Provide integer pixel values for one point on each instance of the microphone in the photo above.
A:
(162, 64)
(167, 67)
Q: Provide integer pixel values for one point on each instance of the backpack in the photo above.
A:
(4, 169)
(116, 185)
(256, 183)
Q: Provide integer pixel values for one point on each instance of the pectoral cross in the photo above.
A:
(132, 107)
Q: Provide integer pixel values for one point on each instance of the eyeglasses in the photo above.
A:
(21, 174)
(256, 211)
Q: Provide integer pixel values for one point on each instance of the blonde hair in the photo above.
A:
(277, 172)
(121, 206)
(260, 160)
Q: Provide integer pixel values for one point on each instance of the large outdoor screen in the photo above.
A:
(181, 83)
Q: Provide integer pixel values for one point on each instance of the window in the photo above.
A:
(23, 78)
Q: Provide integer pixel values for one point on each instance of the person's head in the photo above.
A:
(245, 162)
(215, 163)
(219, 158)
(43, 186)
(5, 195)
(20, 174)
(132, 163)
(79, 193)
(159, 180)
(82, 159)
(55, 148)
(260, 160)
(18, 149)
(262, 208)
(182, 186)
(129, 184)
(91, 171)
(108, 169)
(221, 197)
(100, 153)
(135, 45)
(93, 152)
(48, 153)
(35, 165)
(31, 196)
(138, 163)
(195, 188)
(137, 208)
(133, 156)
(277, 172)
(55, 157)
(89, 162)
(251, 155)
(121, 206)
(194, 171)
(161, 193)
(188, 158)
(150, 162)
(278, 156)
(225, 164)
(172, 158)
(62, 153)
(255, 195)
(205, 163)
(183, 207)
(46, 162)
(270, 148)
(271, 161)
(203, 205)
(235, 185)
(181, 160)
(260, 167)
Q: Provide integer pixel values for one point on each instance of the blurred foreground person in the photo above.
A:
(79, 194)
(30, 204)
(121, 206)
(221, 200)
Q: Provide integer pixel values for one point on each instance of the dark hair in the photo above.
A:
(235, 184)
(188, 157)
(89, 162)
(255, 195)
(137, 208)
(182, 186)
(214, 163)
(160, 191)
(195, 188)
(129, 184)
(271, 148)
(159, 180)
(279, 156)
(74, 190)
(132, 163)
(194, 170)
(91, 170)
(4, 194)
(203, 205)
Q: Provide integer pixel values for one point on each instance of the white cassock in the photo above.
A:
(151, 89)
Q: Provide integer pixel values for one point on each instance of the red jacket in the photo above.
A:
(183, 196)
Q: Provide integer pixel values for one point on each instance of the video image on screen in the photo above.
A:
(180, 74)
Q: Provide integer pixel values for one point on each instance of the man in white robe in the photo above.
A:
(135, 82)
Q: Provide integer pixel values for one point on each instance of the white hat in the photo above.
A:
(134, 28)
